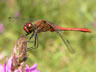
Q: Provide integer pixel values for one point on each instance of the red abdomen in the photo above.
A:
(71, 29)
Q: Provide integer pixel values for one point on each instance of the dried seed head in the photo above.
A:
(19, 55)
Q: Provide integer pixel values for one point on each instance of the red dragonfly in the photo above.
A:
(44, 26)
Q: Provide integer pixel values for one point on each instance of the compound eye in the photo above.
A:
(25, 28)
(29, 25)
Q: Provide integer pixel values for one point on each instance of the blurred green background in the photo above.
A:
(52, 55)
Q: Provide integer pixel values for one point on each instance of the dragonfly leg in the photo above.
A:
(26, 34)
(36, 41)
(30, 37)
(29, 48)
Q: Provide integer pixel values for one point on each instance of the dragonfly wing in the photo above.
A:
(66, 42)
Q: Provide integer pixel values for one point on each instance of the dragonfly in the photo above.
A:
(43, 26)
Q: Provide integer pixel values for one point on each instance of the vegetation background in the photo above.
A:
(52, 55)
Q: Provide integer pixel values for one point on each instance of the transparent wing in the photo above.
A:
(22, 19)
(66, 42)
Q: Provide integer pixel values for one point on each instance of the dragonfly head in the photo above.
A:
(28, 27)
